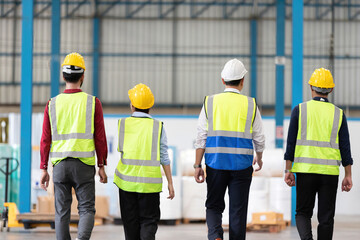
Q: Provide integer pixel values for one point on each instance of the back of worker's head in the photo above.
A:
(141, 98)
(73, 67)
(233, 72)
(321, 81)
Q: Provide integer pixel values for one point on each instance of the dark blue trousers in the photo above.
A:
(307, 186)
(238, 184)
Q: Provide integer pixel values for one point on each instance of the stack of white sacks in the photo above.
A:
(268, 191)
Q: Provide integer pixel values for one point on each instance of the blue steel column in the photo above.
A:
(26, 104)
(280, 66)
(96, 32)
(297, 72)
(55, 47)
(253, 57)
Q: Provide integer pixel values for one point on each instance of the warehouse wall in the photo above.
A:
(142, 49)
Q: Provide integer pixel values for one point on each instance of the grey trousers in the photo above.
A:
(72, 173)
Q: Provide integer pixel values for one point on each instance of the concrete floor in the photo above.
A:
(346, 227)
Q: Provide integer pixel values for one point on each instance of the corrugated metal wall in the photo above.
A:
(142, 49)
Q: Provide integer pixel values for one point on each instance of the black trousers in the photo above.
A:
(307, 186)
(238, 184)
(140, 213)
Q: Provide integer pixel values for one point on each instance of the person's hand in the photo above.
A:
(102, 174)
(44, 180)
(259, 162)
(289, 179)
(171, 191)
(199, 175)
(346, 184)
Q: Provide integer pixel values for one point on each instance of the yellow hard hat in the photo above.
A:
(322, 78)
(74, 59)
(141, 96)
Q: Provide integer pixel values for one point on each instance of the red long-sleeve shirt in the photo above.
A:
(99, 134)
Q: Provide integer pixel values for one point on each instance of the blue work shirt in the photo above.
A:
(344, 141)
(164, 156)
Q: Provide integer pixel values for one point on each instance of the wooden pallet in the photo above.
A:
(272, 228)
(193, 220)
(170, 222)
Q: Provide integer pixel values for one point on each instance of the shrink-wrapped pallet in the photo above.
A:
(194, 197)
(171, 209)
(273, 166)
(258, 196)
(280, 197)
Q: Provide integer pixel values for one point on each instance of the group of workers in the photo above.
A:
(229, 130)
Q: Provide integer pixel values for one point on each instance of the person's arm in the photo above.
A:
(45, 144)
(258, 140)
(165, 162)
(290, 147)
(344, 143)
(167, 171)
(347, 181)
(345, 152)
(199, 171)
(292, 135)
(200, 145)
(289, 176)
(100, 140)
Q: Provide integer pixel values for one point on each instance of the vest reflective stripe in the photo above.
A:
(137, 179)
(154, 147)
(315, 156)
(229, 150)
(72, 154)
(330, 162)
(317, 143)
(211, 132)
(87, 135)
(229, 138)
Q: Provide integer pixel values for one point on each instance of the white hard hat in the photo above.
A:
(233, 70)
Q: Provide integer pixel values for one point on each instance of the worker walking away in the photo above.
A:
(143, 148)
(229, 128)
(73, 129)
(318, 143)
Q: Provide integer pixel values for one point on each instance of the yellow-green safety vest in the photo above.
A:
(230, 125)
(139, 145)
(72, 127)
(317, 145)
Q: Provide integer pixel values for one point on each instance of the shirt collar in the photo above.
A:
(141, 114)
(72, 90)
(234, 90)
(321, 99)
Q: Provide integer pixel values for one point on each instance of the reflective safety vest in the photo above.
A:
(229, 139)
(139, 145)
(317, 144)
(72, 127)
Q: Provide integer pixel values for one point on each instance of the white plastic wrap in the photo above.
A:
(187, 159)
(171, 209)
(280, 197)
(194, 197)
(258, 197)
(273, 163)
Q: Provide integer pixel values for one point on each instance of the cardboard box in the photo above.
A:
(267, 218)
(102, 206)
(46, 204)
